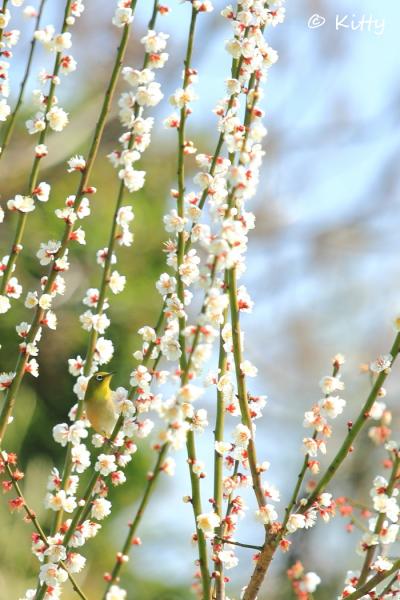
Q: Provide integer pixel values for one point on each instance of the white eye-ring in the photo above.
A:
(99, 377)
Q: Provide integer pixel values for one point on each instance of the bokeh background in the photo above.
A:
(324, 270)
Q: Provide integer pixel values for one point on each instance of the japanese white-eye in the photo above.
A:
(99, 404)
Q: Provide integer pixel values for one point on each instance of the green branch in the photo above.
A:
(190, 440)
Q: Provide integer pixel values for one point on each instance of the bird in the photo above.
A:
(98, 403)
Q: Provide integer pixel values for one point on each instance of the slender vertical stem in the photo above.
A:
(268, 550)
(219, 584)
(190, 440)
(138, 516)
(241, 385)
(181, 178)
(219, 431)
(9, 125)
(218, 457)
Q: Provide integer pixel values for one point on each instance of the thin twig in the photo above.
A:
(228, 541)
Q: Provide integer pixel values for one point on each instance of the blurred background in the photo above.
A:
(324, 270)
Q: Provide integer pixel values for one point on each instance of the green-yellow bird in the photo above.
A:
(98, 403)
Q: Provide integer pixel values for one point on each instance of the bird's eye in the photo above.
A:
(99, 377)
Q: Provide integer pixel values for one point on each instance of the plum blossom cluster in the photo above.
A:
(214, 182)
(143, 92)
(54, 115)
(329, 408)
(8, 39)
(62, 497)
(49, 115)
(53, 253)
(59, 565)
(381, 531)
(380, 433)
(303, 583)
(42, 301)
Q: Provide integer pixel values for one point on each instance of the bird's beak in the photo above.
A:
(111, 373)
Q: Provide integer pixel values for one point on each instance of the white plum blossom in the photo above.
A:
(116, 593)
(242, 435)
(117, 282)
(267, 514)
(23, 204)
(47, 251)
(133, 180)
(333, 406)
(207, 522)
(76, 163)
(382, 363)
(105, 464)
(6, 380)
(228, 558)
(309, 582)
(57, 118)
(101, 508)
(52, 574)
(381, 564)
(5, 304)
(166, 284)
(330, 384)
(248, 369)
(387, 505)
(296, 521)
(5, 110)
(222, 447)
(80, 457)
(104, 350)
(60, 501)
(122, 17)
